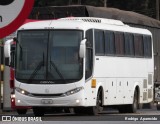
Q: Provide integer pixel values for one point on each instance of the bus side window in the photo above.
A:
(99, 42)
(138, 45)
(89, 37)
(147, 46)
(129, 44)
(119, 43)
(88, 63)
(109, 43)
(89, 54)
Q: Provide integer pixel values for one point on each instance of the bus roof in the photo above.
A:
(83, 23)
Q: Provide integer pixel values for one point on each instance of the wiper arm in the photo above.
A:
(35, 71)
(58, 72)
(21, 49)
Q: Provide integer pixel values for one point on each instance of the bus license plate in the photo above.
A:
(46, 101)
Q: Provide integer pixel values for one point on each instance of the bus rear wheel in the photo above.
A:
(133, 107)
(158, 106)
(21, 111)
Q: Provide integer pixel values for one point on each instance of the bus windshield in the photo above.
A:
(48, 56)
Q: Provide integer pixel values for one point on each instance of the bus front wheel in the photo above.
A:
(38, 111)
(21, 111)
(95, 110)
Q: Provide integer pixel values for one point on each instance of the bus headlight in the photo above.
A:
(70, 92)
(23, 91)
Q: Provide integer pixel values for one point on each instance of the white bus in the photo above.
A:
(83, 63)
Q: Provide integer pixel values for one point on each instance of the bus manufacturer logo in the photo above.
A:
(46, 90)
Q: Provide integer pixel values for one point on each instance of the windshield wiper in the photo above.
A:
(58, 72)
(21, 49)
(41, 63)
(35, 71)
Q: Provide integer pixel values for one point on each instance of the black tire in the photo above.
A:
(38, 111)
(133, 107)
(158, 106)
(80, 110)
(58, 110)
(95, 110)
(68, 110)
(21, 111)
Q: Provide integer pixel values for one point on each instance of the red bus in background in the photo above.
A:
(7, 87)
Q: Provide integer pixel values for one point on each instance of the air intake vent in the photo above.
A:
(145, 83)
(150, 79)
(95, 20)
(149, 93)
(92, 20)
(144, 96)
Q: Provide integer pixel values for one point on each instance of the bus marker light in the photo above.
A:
(13, 95)
(2, 67)
(93, 83)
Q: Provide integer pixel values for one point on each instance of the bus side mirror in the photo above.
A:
(82, 49)
(7, 49)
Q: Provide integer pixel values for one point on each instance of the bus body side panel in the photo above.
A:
(121, 75)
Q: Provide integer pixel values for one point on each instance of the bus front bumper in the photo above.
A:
(66, 101)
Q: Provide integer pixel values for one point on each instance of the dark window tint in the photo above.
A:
(147, 46)
(109, 43)
(129, 44)
(138, 44)
(89, 36)
(89, 63)
(99, 42)
(119, 43)
(89, 54)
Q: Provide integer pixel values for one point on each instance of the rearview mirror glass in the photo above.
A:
(82, 49)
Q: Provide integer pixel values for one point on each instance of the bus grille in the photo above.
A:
(47, 95)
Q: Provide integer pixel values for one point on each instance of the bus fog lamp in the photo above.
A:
(77, 101)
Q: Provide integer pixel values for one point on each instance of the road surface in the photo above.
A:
(109, 116)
